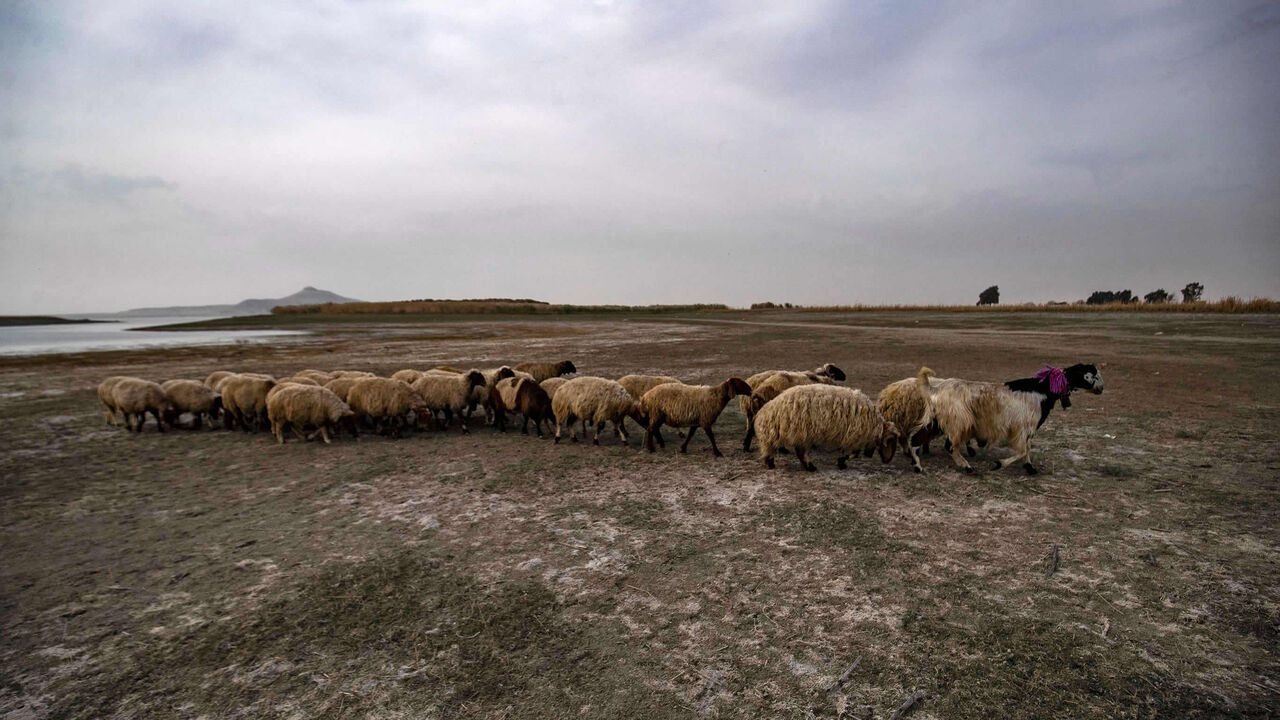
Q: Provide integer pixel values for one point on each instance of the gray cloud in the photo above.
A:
(636, 152)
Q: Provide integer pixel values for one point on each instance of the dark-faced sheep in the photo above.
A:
(524, 396)
(542, 370)
(449, 393)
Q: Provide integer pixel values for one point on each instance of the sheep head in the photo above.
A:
(735, 386)
(565, 367)
(1084, 377)
(476, 378)
(832, 372)
(504, 372)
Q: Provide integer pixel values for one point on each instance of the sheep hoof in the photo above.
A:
(557, 441)
(918, 469)
(968, 469)
(842, 463)
(1031, 469)
(810, 467)
(995, 465)
(768, 462)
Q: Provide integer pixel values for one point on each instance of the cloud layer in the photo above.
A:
(812, 152)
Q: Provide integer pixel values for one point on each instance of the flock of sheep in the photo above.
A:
(784, 409)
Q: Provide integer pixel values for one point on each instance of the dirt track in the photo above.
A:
(215, 573)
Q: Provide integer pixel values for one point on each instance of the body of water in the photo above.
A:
(44, 339)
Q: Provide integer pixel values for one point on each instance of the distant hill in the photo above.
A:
(253, 306)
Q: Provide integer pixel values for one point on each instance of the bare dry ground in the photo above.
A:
(217, 574)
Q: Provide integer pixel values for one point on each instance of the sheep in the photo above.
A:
(1009, 413)
(136, 397)
(638, 385)
(104, 394)
(303, 380)
(543, 370)
(449, 394)
(193, 396)
(550, 385)
(524, 396)
(768, 385)
(407, 375)
(480, 393)
(244, 400)
(302, 406)
(352, 373)
(388, 401)
(824, 415)
(321, 377)
(215, 376)
(908, 404)
(449, 368)
(341, 386)
(594, 400)
(691, 406)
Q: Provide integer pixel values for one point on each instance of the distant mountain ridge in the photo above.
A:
(253, 306)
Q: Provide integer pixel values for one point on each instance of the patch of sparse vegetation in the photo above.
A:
(1115, 470)
(1189, 433)
(832, 526)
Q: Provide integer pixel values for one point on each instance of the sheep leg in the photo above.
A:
(715, 451)
(804, 461)
(842, 462)
(524, 428)
(957, 456)
(297, 431)
(159, 422)
(1021, 451)
(278, 431)
(684, 447)
(655, 428)
(621, 431)
(751, 432)
(911, 450)
(324, 434)
(596, 439)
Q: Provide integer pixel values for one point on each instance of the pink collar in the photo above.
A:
(1058, 384)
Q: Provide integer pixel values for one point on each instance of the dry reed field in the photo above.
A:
(215, 573)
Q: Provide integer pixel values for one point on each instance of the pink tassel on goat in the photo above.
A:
(1058, 384)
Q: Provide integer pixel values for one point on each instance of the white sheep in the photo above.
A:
(1008, 413)
(300, 407)
(595, 401)
(449, 393)
(136, 397)
(193, 396)
(768, 385)
(104, 395)
(244, 399)
(688, 406)
(387, 403)
(638, 385)
(908, 404)
(828, 416)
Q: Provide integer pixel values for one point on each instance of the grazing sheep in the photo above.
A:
(829, 416)
(638, 385)
(244, 400)
(595, 401)
(543, 370)
(524, 396)
(550, 385)
(104, 394)
(216, 376)
(691, 406)
(768, 385)
(480, 393)
(386, 402)
(321, 377)
(908, 404)
(450, 393)
(407, 375)
(193, 396)
(136, 397)
(341, 386)
(1008, 413)
(308, 406)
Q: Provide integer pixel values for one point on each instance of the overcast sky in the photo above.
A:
(161, 153)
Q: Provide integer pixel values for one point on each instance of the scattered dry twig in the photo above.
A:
(844, 677)
(908, 705)
(1053, 562)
